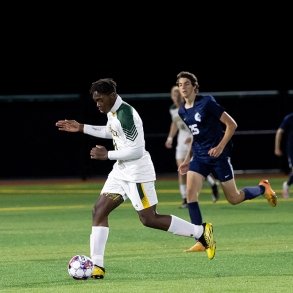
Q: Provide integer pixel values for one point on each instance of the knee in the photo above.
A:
(233, 200)
(95, 211)
(146, 221)
(191, 195)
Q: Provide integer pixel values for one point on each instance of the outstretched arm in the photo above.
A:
(74, 126)
(172, 132)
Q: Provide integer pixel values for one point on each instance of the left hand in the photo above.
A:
(99, 152)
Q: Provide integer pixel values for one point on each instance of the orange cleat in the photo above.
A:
(197, 247)
(269, 193)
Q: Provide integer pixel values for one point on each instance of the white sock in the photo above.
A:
(181, 227)
(182, 188)
(98, 240)
(211, 180)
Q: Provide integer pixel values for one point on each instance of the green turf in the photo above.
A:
(43, 226)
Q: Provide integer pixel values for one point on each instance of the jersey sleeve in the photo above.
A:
(286, 122)
(214, 107)
(97, 131)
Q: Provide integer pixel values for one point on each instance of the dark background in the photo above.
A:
(54, 50)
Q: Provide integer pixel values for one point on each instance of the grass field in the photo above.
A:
(44, 225)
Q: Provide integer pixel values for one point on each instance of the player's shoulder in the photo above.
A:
(288, 119)
(125, 108)
(206, 97)
(289, 116)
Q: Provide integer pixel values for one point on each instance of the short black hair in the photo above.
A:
(105, 86)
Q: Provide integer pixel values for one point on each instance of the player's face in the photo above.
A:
(185, 87)
(175, 96)
(104, 102)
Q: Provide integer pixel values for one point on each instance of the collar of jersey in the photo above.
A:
(117, 104)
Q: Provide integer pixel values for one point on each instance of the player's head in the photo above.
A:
(175, 95)
(104, 93)
(103, 86)
(191, 77)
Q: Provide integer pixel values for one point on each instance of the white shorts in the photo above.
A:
(181, 151)
(182, 148)
(141, 195)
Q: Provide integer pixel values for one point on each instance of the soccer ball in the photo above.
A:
(80, 267)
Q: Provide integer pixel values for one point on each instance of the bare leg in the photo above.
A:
(150, 218)
(100, 229)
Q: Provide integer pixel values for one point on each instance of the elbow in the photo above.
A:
(233, 125)
(138, 153)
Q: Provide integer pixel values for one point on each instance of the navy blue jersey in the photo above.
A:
(203, 120)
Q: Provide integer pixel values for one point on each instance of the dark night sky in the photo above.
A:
(143, 54)
(139, 71)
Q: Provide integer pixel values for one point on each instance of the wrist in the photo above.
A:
(169, 139)
(80, 127)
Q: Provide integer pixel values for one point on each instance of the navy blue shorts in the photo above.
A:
(220, 168)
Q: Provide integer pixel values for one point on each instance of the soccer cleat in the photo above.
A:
(207, 240)
(197, 247)
(98, 272)
(215, 195)
(285, 192)
(184, 204)
(269, 193)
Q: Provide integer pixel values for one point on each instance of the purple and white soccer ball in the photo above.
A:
(80, 267)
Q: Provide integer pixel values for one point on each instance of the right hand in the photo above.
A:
(169, 142)
(278, 152)
(183, 168)
(68, 125)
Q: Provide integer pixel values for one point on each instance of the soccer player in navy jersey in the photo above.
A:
(285, 133)
(212, 128)
(184, 137)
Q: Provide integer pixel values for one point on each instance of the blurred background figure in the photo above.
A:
(284, 141)
(214, 185)
(184, 139)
